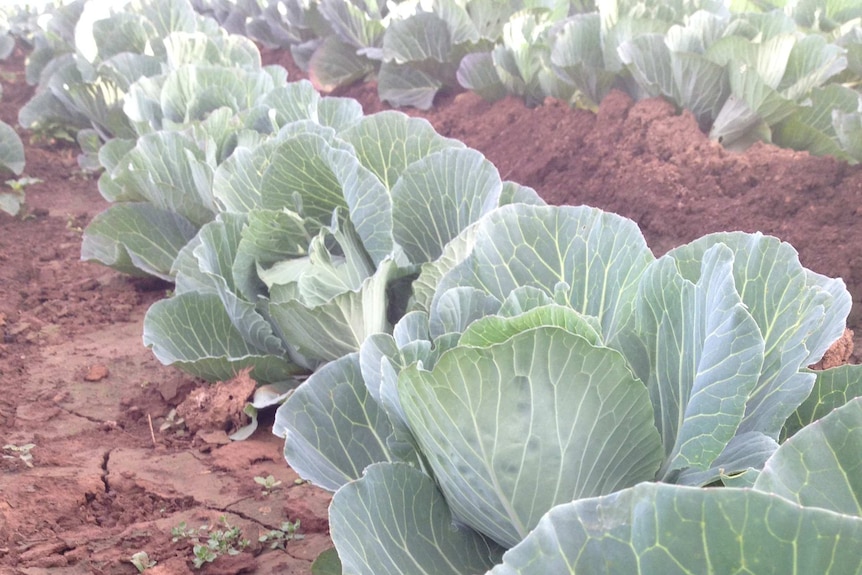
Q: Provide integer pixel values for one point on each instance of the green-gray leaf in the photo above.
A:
(799, 314)
(387, 142)
(706, 353)
(821, 466)
(333, 428)
(395, 520)
(440, 195)
(122, 238)
(599, 255)
(658, 529)
(832, 388)
(11, 150)
(193, 331)
(513, 429)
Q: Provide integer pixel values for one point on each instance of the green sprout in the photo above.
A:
(21, 183)
(269, 483)
(142, 561)
(10, 202)
(278, 538)
(175, 422)
(227, 541)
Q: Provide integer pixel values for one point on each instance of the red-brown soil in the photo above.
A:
(76, 381)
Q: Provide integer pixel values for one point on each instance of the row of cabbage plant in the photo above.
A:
(782, 74)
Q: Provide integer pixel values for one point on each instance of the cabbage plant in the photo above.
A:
(320, 231)
(556, 398)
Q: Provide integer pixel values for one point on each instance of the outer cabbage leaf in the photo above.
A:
(438, 196)
(237, 181)
(811, 127)
(45, 111)
(405, 85)
(193, 331)
(394, 520)
(193, 90)
(477, 72)
(456, 251)
(706, 354)
(170, 171)
(11, 150)
(216, 252)
(812, 62)
(576, 54)
(335, 64)
(333, 428)
(848, 127)
(799, 314)
(497, 329)
(513, 429)
(458, 308)
(422, 36)
(832, 389)
(300, 176)
(360, 29)
(122, 238)
(222, 49)
(655, 528)
(514, 193)
(599, 255)
(339, 113)
(821, 466)
(293, 102)
(387, 142)
(382, 357)
(753, 77)
(689, 80)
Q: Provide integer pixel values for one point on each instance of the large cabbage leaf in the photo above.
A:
(401, 508)
(803, 510)
(706, 353)
(488, 408)
(11, 150)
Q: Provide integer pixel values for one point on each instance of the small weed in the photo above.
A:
(278, 538)
(269, 484)
(11, 202)
(227, 541)
(173, 422)
(50, 134)
(21, 183)
(203, 554)
(72, 224)
(182, 531)
(22, 452)
(142, 561)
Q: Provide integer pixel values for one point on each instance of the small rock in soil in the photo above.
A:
(96, 372)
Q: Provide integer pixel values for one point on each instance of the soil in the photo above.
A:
(76, 382)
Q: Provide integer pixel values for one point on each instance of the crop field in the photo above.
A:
(443, 287)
